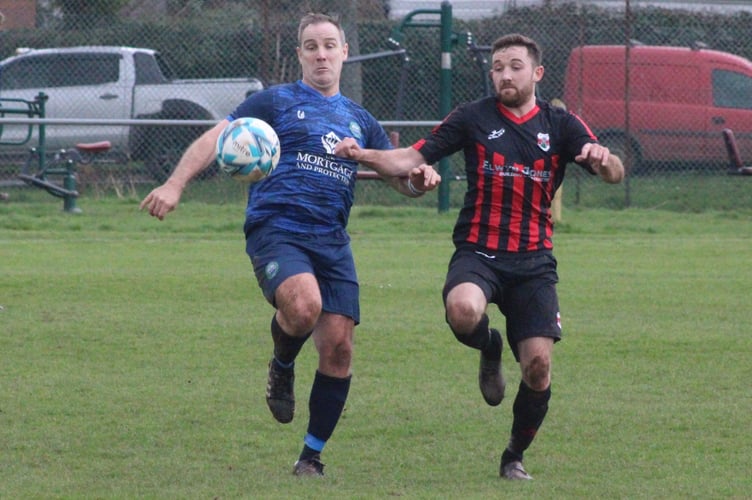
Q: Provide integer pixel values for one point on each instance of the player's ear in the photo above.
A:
(345, 50)
(538, 73)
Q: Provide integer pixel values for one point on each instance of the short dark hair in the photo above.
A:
(317, 18)
(515, 39)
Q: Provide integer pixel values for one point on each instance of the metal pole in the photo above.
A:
(41, 99)
(628, 157)
(445, 100)
(69, 183)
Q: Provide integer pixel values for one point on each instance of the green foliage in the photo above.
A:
(134, 353)
(84, 14)
(225, 41)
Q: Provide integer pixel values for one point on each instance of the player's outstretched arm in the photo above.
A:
(199, 155)
(387, 162)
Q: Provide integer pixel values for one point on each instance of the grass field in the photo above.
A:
(133, 362)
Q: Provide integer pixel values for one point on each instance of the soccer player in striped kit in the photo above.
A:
(516, 148)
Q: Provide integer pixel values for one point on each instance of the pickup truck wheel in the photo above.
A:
(165, 147)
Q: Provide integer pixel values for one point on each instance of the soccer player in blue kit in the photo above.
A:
(516, 149)
(296, 222)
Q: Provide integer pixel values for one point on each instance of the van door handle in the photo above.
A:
(108, 97)
(718, 120)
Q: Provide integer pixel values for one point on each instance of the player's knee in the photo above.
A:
(537, 373)
(299, 302)
(462, 315)
(301, 315)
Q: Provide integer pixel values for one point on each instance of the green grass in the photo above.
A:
(675, 191)
(133, 362)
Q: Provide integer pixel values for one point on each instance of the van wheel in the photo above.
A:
(626, 150)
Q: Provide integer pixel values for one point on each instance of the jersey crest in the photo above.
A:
(544, 141)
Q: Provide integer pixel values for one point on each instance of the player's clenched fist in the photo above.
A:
(348, 148)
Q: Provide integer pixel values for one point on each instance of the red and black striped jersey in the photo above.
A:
(513, 165)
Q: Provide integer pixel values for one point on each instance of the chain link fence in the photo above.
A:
(663, 112)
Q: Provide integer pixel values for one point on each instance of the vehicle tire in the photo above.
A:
(163, 146)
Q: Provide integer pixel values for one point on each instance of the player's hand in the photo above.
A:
(161, 200)
(594, 155)
(348, 148)
(609, 167)
(424, 177)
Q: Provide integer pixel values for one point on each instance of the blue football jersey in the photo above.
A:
(311, 190)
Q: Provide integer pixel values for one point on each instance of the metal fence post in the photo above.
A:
(445, 102)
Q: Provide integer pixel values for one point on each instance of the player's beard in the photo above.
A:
(516, 99)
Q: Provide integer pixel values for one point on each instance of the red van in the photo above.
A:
(680, 99)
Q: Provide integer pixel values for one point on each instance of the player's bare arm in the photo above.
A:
(199, 155)
(387, 162)
(609, 167)
(421, 179)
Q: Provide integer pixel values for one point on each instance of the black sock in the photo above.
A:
(327, 400)
(510, 456)
(286, 347)
(529, 409)
(482, 339)
(308, 453)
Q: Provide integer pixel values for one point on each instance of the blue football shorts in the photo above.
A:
(276, 255)
(523, 287)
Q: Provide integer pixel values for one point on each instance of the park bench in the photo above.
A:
(38, 170)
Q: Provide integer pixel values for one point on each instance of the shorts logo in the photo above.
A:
(485, 255)
(271, 269)
(558, 319)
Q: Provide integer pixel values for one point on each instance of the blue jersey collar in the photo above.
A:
(310, 90)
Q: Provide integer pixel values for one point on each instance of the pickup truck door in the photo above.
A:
(79, 85)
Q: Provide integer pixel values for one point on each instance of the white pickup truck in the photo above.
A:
(115, 83)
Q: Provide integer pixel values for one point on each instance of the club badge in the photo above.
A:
(544, 141)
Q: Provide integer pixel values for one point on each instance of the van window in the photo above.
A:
(731, 89)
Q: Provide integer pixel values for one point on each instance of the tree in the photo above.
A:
(82, 14)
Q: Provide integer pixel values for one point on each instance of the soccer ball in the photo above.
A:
(248, 149)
